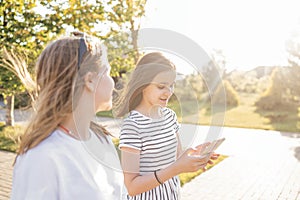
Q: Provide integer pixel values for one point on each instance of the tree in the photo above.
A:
(115, 21)
(126, 15)
(19, 30)
(124, 20)
(20, 25)
(231, 97)
(121, 55)
(72, 14)
(215, 70)
(284, 91)
(293, 49)
(24, 28)
(190, 87)
(281, 95)
(8, 88)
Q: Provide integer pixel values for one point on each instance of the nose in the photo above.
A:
(170, 89)
(112, 81)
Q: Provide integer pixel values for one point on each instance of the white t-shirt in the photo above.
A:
(63, 168)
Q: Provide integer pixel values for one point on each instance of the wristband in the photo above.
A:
(157, 179)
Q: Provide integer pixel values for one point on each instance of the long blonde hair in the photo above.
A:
(59, 82)
(149, 66)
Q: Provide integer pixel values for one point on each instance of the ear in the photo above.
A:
(89, 82)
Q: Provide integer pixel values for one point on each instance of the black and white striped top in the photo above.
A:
(157, 142)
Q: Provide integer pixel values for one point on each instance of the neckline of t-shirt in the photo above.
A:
(64, 135)
(153, 119)
(69, 138)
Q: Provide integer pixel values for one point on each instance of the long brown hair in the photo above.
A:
(149, 66)
(59, 82)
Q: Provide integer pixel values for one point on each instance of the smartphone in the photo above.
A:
(209, 148)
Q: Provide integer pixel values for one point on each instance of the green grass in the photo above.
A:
(9, 137)
(105, 114)
(245, 115)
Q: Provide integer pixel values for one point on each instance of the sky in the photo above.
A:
(250, 33)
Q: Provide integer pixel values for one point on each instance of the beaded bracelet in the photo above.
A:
(157, 178)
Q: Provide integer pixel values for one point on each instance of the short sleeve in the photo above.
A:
(130, 136)
(175, 121)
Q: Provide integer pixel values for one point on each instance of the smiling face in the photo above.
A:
(150, 85)
(159, 91)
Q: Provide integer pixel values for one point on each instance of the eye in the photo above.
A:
(160, 86)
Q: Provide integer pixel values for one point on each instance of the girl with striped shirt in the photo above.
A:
(149, 142)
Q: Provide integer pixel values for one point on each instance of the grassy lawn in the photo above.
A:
(9, 137)
(243, 116)
(105, 114)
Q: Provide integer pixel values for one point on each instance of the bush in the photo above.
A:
(189, 88)
(278, 96)
(22, 100)
(10, 137)
(230, 98)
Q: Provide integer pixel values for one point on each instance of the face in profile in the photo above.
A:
(104, 90)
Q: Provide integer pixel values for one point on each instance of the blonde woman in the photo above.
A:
(151, 149)
(63, 154)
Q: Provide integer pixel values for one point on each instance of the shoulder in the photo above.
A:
(35, 174)
(130, 126)
(45, 152)
(169, 111)
(135, 118)
(130, 122)
(49, 144)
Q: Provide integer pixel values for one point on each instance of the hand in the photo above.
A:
(213, 156)
(200, 149)
(189, 161)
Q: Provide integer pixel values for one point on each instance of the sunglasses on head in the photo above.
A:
(83, 48)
